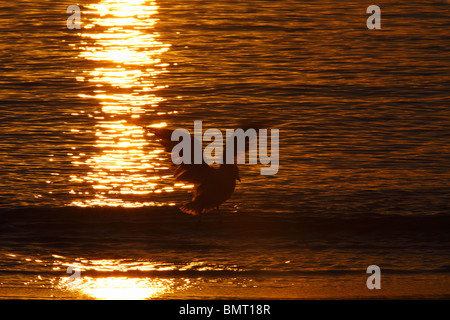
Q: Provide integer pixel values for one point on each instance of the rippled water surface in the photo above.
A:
(363, 113)
(363, 116)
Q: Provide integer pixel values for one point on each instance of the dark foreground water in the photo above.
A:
(364, 154)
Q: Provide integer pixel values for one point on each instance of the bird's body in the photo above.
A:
(216, 188)
(212, 186)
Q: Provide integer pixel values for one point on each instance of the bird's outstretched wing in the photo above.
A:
(187, 173)
(245, 125)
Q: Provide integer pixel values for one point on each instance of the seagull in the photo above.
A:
(212, 186)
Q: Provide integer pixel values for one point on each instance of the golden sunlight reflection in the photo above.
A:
(118, 279)
(118, 37)
(123, 288)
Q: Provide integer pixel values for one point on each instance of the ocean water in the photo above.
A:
(364, 176)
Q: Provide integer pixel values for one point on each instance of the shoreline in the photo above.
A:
(394, 287)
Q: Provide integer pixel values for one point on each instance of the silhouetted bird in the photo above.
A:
(212, 186)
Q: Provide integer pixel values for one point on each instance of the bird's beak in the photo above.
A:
(239, 179)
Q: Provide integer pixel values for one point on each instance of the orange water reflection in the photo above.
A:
(119, 40)
(122, 288)
(119, 286)
(119, 279)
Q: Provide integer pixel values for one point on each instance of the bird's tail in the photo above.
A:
(194, 208)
